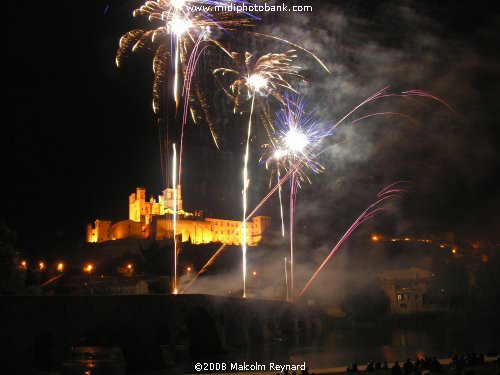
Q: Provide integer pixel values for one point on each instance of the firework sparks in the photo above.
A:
(391, 191)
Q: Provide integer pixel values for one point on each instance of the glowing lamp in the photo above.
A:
(88, 268)
(41, 266)
(60, 267)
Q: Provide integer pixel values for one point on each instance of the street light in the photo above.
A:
(130, 269)
(88, 268)
(41, 266)
(60, 267)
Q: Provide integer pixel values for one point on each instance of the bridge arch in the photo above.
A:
(163, 334)
(288, 326)
(304, 330)
(44, 350)
(235, 332)
(204, 338)
(272, 327)
(255, 331)
(115, 333)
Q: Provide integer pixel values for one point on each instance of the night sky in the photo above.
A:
(79, 134)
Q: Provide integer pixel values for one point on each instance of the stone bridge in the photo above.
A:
(37, 332)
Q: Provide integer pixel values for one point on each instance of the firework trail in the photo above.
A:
(278, 174)
(237, 230)
(286, 280)
(174, 216)
(391, 191)
(266, 75)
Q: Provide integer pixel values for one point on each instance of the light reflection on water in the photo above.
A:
(341, 347)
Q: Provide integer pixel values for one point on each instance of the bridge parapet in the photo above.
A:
(39, 331)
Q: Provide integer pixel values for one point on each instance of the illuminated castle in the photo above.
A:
(153, 219)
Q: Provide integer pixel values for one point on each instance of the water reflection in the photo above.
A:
(338, 348)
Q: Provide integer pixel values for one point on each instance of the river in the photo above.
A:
(343, 346)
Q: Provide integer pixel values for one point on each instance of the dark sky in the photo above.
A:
(79, 134)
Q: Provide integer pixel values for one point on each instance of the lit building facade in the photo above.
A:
(407, 290)
(154, 219)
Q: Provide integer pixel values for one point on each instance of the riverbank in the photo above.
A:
(488, 368)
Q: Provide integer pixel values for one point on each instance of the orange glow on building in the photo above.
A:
(152, 219)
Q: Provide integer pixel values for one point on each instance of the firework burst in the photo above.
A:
(265, 75)
(298, 139)
(174, 31)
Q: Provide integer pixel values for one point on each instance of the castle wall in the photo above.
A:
(99, 231)
(125, 229)
(147, 219)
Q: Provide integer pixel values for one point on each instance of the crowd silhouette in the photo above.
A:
(459, 365)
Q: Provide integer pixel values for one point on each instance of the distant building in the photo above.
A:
(407, 290)
(114, 286)
(154, 219)
(443, 239)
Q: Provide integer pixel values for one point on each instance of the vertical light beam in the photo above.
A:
(286, 281)
(174, 216)
(245, 187)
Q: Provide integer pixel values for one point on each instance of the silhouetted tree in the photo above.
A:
(450, 285)
(11, 278)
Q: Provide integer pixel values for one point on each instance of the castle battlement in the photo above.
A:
(153, 218)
